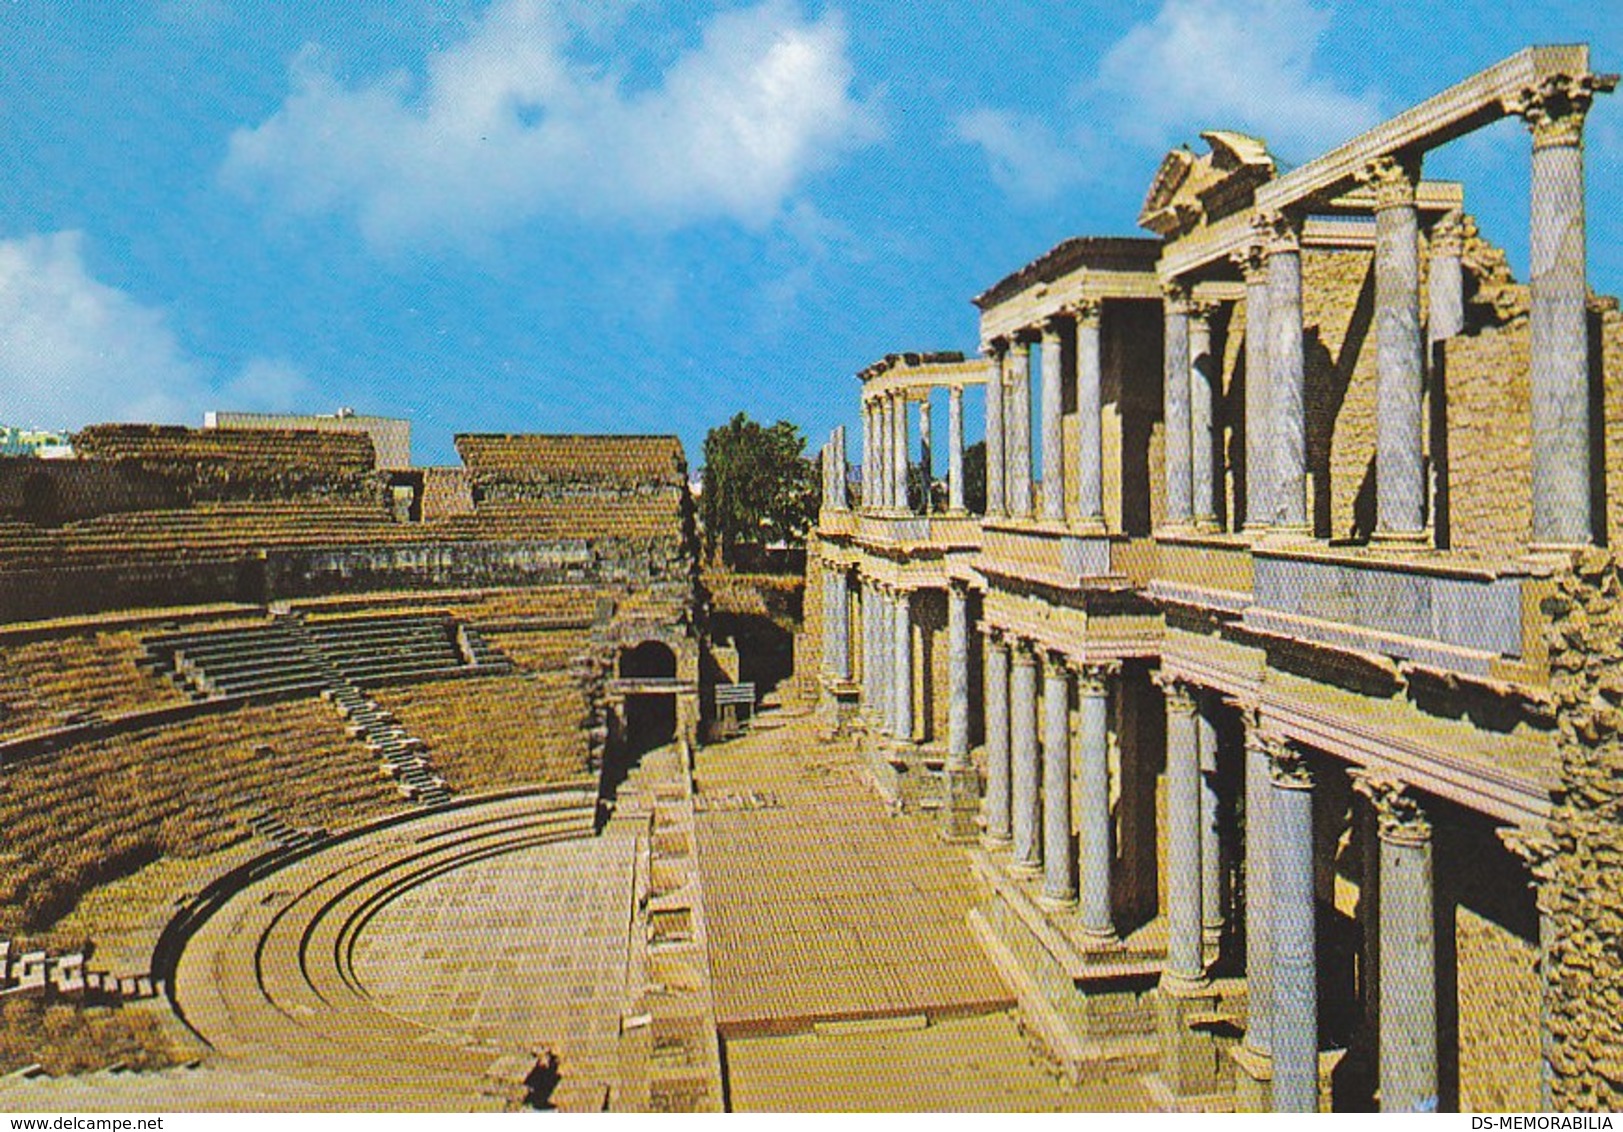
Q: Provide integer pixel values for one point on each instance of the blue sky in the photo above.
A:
(633, 215)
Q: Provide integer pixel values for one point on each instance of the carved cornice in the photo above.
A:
(1554, 108)
(1399, 817)
(1394, 178)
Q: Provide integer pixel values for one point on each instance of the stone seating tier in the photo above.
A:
(624, 460)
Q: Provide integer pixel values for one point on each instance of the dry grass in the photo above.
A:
(65, 1038)
(41, 682)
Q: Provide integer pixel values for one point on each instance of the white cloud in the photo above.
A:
(1028, 160)
(74, 350)
(268, 385)
(508, 125)
(1213, 64)
(1195, 65)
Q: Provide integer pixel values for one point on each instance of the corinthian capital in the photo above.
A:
(1554, 108)
(1086, 311)
(1175, 296)
(1399, 817)
(1280, 230)
(1393, 177)
(1252, 260)
(1448, 234)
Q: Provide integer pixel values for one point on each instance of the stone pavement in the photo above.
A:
(822, 905)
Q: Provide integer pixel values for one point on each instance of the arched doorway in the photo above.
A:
(649, 713)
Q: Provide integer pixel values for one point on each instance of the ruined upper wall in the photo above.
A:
(496, 461)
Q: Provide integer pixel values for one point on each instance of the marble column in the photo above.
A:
(1445, 279)
(887, 434)
(867, 455)
(996, 459)
(882, 656)
(1559, 328)
(1053, 405)
(1408, 1009)
(927, 450)
(902, 669)
(1203, 379)
(1093, 822)
(868, 617)
(1286, 378)
(955, 450)
(999, 815)
(1025, 757)
(903, 455)
(1296, 993)
(1185, 963)
(1175, 406)
(957, 676)
(1211, 855)
(839, 638)
(1059, 867)
(1090, 488)
(1018, 424)
(1253, 264)
(1400, 476)
(1259, 937)
(840, 456)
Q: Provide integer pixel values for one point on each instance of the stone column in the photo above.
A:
(1090, 488)
(902, 669)
(1259, 937)
(1554, 111)
(955, 450)
(1253, 265)
(903, 456)
(1290, 878)
(867, 454)
(1059, 868)
(1203, 379)
(927, 450)
(1408, 1009)
(1093, 822)
(1185, 963)
(1211, 856)
(1175, 406)
(1286, 378)
(1445, 279)
(1400, 478)
(882, 658)
(842, 501)
(1019, 430)
(887, 433)
(996, 459)
(999, 826)
(957, 675)
(1053, 393)
(839, 639)
(1024, 755)
(867, 591)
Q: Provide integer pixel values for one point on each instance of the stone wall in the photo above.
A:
(1582, 896)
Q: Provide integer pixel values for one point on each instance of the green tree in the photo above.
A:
(759, 487)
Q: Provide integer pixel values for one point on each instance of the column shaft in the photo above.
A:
(1019, 428)
(1211, 857)
(1203, 378)
(999, 814)
(1296, 994)
(1175, 410)
(1093, 823)
(1090, 496)
(902, 700)
(955, 449)
(903, 456)
(867, 454)
(1400, 484)
(926, 451)
(1408, 1057)
(842, 501)
(1559, 333)
(882, 656)
(957, 676)
(867, 646)
(1185, 962)
(1059, 868)
(1024, 755)
(1258, 412)
(1053, 434)
(996, 497)
(1445, 280)
(840, 638)
(1286, 380)
(1259, 940)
